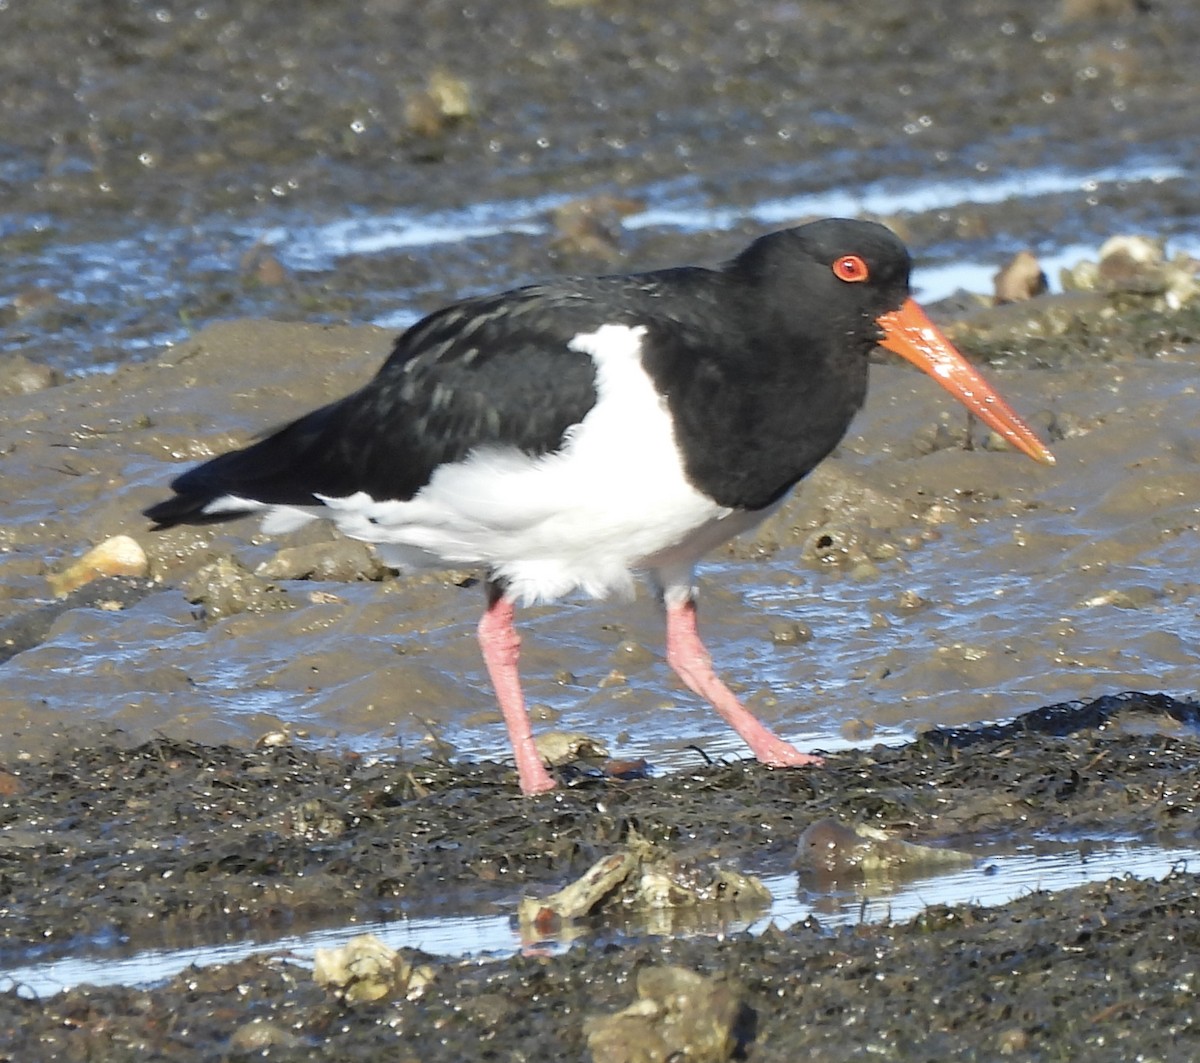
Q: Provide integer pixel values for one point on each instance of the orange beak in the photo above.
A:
(909, 333)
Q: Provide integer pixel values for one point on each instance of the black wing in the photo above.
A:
(492, 370)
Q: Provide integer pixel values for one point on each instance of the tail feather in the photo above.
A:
(188, 509)
(268, 472)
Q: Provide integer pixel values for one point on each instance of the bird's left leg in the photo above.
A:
(501, 646)
(690, 660)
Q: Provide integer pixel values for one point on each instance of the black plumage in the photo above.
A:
(760, 391)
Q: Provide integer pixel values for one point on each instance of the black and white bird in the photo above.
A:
(563, 435)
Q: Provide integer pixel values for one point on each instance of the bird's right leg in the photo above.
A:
(690, 660)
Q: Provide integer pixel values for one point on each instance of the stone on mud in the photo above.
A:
(835, 850)
(121, 555)
(365, 970)
(679, 1015)
(225, 587)
(646, 877)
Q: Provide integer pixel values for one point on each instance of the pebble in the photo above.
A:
(1021, 279)
(122, 555)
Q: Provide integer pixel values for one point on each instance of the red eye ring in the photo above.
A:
(851, 269)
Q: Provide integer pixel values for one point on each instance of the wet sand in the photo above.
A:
(921, 578)
(918, 578)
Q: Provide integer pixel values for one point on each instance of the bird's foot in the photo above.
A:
(531, 769)
(780, 754)
(535, 781)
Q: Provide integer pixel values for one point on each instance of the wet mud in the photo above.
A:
(188, 842)
(919, 577)
(216, 751)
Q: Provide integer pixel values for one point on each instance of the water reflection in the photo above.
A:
(993, 880)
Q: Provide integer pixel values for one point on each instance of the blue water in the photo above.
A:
(147, 285)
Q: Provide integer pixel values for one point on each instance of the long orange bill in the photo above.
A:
(909, 333)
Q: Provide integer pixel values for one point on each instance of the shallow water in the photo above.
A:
(1023, 626)
(993, 880)
(958, 586)
(125, 291)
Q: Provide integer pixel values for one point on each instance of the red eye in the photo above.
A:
(851, 268)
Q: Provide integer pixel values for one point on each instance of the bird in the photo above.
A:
(562, 436)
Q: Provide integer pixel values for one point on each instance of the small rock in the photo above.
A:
(909, 601)
(1137, 266)
(1127, 598)
(453, 94)
(831, 848)
(335, 560)
(365, 969)
(789, 632)
(679, 1015)
(858, 730)
(1132, 264)
(1021, 279)
(121, 555)
(260, 1036)
(445, 101)
(225, 588)
(672, 882)
(260, 266)
(1141, 250)
(20, 376)
(563, 747)
(630, 655)
(643, 877)
(1011, 1041)
(1082, 277)
(592, 227)
(273, 739)
(31, 300)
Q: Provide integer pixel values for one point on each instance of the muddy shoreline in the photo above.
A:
(201, 200)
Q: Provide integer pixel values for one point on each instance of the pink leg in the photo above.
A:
(687, 655)
(501, 647)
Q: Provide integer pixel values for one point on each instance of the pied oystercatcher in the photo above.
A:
(561, 435)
